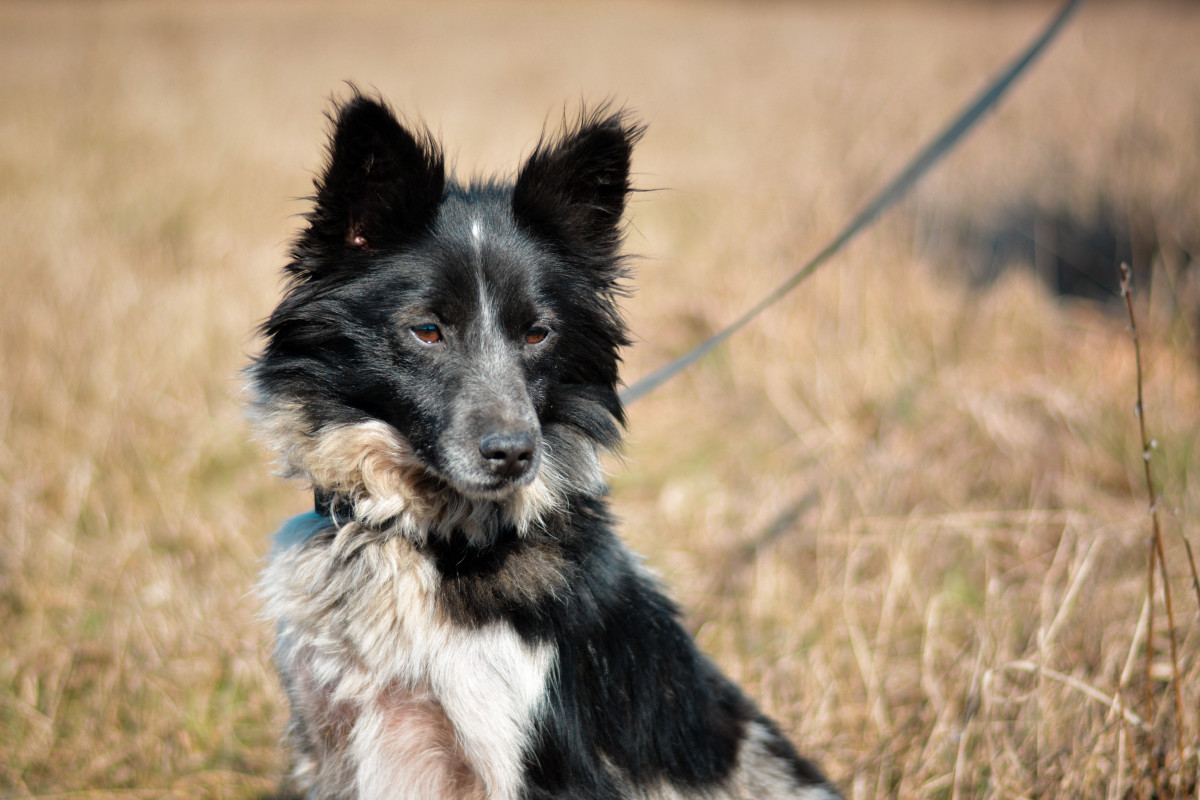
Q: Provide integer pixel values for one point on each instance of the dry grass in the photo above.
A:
(910, 518)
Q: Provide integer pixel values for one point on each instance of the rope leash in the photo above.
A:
(885, 199)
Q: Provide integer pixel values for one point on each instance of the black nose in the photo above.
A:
(508, 454)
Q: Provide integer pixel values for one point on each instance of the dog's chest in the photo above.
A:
(411, 697)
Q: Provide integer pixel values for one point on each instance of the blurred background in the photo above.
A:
(905, 508)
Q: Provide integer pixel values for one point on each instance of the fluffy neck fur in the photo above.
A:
(372, 469)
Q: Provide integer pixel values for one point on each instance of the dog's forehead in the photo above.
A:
(481, 251)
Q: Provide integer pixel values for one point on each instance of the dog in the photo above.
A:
(457, 617)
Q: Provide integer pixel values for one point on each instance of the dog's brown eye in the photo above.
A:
(536, 335)
(429, 334)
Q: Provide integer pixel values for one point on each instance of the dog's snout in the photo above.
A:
(508, 453)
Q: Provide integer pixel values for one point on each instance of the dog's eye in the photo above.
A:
(429, 334)
(536, 335)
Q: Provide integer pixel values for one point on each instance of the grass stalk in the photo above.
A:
(1156, 551)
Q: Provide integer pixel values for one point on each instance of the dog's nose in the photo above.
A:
(508, 453)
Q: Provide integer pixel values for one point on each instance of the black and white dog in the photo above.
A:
(457, 619)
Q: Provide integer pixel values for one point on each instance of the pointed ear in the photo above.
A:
(573, 189)
(382, 184)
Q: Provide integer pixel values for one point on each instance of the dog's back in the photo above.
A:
(458, 619)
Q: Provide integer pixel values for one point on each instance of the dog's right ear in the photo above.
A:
(381, 186)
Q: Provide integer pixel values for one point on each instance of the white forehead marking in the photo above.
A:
(487, 305)
(488, 310)
(476, 233)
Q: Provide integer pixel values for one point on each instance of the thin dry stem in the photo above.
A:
(1157, 544)
(1077, 685)
(1127, 740)
(1192, 564)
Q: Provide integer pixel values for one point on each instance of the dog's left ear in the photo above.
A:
(572, 190)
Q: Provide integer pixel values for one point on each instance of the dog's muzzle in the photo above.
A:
(509, 454)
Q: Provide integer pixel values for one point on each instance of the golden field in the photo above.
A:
(907, 514)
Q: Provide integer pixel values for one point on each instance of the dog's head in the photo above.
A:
(444, 346)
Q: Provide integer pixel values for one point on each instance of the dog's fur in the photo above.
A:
(458, 618)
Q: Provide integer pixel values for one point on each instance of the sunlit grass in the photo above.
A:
(879, 504)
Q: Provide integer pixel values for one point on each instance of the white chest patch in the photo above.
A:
(390, 698)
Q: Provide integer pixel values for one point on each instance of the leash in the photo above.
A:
(885, 199)
(331, 505)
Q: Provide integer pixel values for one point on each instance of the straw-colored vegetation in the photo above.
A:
(909, 516)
